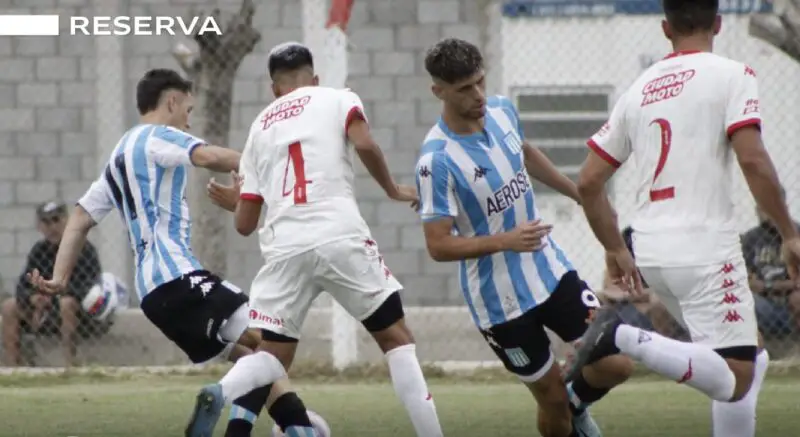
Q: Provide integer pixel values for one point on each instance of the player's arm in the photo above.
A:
(438, 210)
(609, 148)
(542, 169)
(180, 148)
(743, 120)
(356, 129)
(248, 208)
(90, 210)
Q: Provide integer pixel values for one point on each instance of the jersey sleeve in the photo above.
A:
(351, 109)
(175, 148)
(435, 187)
(97, 200)
(611, 142)
(247, 170)
(743, 107)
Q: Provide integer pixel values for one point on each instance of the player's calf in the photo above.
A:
(594, 381)
(387, 325)
(547, 387)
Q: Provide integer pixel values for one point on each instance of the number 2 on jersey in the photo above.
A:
(299, 169)
(665, 131)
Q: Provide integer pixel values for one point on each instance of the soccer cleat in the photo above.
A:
(585, 426)
(207, 410)
(598, 341)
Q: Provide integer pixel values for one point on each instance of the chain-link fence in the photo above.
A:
(67, 99)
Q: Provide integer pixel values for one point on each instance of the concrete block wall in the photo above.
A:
(47, 115)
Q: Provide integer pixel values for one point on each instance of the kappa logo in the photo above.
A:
(730, 298)
(727, 268)
(732, 316)
(480, 172)
(424, 172)
(728, 283)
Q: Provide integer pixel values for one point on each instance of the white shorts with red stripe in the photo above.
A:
(713, 302)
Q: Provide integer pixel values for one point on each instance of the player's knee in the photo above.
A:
(69, 306)
(289, 410)
(9, 309)
(387, 324)
(610, 371)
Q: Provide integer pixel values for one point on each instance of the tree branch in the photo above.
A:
(775, 31)
(209, 42)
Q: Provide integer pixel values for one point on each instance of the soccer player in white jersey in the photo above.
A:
(683, 121)
(298, 165)
(145, 179)
(478, 208)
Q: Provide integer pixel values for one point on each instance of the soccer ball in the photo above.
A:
(105, 298)
(320, 426)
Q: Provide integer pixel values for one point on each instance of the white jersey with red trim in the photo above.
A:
(298, 162)
(676, 121)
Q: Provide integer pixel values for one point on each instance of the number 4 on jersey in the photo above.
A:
(664, 193)
(299, 169)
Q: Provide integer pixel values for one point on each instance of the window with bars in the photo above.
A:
(560, 120)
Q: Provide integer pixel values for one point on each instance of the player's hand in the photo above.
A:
(225, 196)
(529, 237)
(623, 272)
(405, 193)
(790, 252)
(50, 286)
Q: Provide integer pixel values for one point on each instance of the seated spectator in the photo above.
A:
(41, 314)
(644, 311)
(776, 297)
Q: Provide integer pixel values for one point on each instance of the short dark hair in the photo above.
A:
(289, 56)
(154, 83)
(453, 59)
(690, 16)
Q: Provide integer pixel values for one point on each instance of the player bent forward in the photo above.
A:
(685, 238)
(145, 179)
(472, 177)
(297, 162)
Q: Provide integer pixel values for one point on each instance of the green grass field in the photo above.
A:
(159, 406)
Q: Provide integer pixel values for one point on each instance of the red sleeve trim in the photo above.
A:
(353, 114)
(742, 124)
(603, 154)
(251, 197)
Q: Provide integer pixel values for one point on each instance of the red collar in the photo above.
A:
(682, 53)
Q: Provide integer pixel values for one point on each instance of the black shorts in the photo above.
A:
(190, 311)
(522, 343)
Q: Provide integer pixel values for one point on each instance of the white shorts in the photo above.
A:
(713, 302)
(352, 271)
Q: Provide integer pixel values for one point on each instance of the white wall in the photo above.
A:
(613, 51)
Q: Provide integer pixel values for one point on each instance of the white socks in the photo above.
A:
(738, 419)
(695, 365)
(409, 384)
(251, 372)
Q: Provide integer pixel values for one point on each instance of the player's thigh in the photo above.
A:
(661, 288)
(281, 295)
(353, 272)
(191, 311)
(522, 345)
(569, 309)
(717, 306)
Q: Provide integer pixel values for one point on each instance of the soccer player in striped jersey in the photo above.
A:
(479, 209)
(205, 316)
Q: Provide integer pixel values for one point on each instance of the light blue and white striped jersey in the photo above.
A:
(145, 179)
(480, 181)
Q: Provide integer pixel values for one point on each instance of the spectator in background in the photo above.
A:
(645, 311)
(776, 297)
(42, 314)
